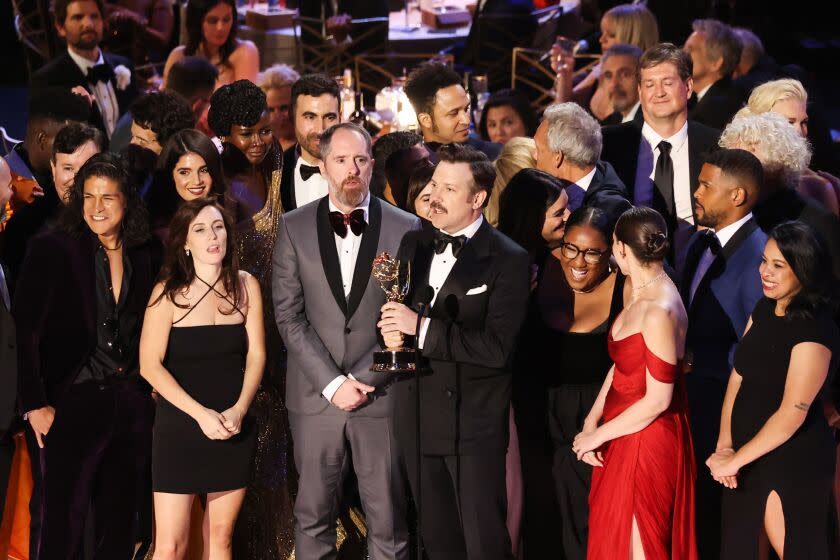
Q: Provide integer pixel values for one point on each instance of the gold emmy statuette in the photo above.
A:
(386, 271)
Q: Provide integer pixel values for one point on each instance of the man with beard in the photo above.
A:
(443, 109)
(478, 279)
(105, 78)
(618, 72)
(720, 288)
(326, 304)
(314, 109)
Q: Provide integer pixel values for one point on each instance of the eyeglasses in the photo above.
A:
(590, 256)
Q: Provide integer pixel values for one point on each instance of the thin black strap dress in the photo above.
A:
(208, 362)
(801, 470)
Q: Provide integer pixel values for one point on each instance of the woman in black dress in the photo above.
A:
(203, 350)
(775, 451)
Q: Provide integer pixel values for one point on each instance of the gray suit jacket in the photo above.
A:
(326, 334)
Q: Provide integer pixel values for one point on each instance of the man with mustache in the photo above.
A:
(443, 109)
(326, 304)
(479, 282)
(618, 72)
(105, 78)
(314, 109)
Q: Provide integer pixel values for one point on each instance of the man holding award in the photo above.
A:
(327, 304)
(479, 281)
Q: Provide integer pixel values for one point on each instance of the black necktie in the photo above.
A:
(441, 240)
(355, 219)
(100, 73)
(710, 241)
(307, 171)
(663, 179)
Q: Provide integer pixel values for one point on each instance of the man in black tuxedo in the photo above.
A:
(755, 66)
(479, 282)
(715, 51)
(105, 78)
(568, 147)
(660, 160)
(443, 108)
(619, 66)
(314, 109)
(8, 354)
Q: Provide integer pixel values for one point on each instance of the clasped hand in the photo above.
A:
(221, 425)
(721, 463)
(396, 322)
(585, 447)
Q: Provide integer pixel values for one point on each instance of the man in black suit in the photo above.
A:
(314, 109)
(568, 147)
(105, 78)
(755, 66)
(443, 109)
(8, 354)
(660, 160)
(715, 51)
(619, 65)
(479, 282)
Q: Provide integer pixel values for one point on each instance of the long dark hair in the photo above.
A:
(163, 197)
(807, 256)
(135, 222)
(523, 205)
(196, 10)
(178, 271)
(517, 101)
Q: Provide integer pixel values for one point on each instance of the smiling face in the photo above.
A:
(453, 203)
(279, 103)
(450, 119)
(423, 203)
(619, 77)
(662, 93)
(582, 246)
(253, 141)
(191, 176)
(65, 167)
(347, 168)
(145, 138)
(504, 123)
(778, 281)
(556, 216)
(207, 237)
(104, 206)
(216, 26)
(796, 112)
(313, 115)
(82, 28)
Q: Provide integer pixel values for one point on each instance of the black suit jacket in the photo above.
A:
(616, 118)
(8, 375)
(622, 143)
(719, 104)
(607, 191)
(490, 149)
(287, 181)
(62, 71)
(55, 311)
(469, 343)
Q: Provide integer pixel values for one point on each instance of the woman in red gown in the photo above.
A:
(642, 497)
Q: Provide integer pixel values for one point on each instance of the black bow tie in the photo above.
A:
(100, 73)
(710, 241)
(307, 171)
(355, 219)
(441, 240)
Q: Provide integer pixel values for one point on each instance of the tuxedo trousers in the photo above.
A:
(326, 445)
(97, 454)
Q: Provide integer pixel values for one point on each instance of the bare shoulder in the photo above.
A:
(247, 281)
(176, 54)
(158, 299)
(244, 48)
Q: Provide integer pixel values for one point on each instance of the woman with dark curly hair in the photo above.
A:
(507, 114)
(78, 308)
(252, 161)
(211, 33)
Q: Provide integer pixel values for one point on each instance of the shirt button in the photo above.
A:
(347, 330)
(449, 393)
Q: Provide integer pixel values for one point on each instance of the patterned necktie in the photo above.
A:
(355, 220)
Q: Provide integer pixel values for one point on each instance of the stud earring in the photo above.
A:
(188, 252)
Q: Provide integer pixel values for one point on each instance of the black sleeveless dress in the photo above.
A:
(208, 361)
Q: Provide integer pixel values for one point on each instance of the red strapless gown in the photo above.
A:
(649, 474)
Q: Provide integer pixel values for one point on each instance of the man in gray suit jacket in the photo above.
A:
(327, 306)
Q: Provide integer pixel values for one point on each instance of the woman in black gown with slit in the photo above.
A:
(203, 350)
(776, 453)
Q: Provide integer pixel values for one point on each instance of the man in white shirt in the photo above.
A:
(314, 109)
(84, 67)
(478, 280)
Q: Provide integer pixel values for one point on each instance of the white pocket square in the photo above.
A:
(479, 290)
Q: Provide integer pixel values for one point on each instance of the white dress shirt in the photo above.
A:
(347, 249)
(648, 156)
(106, 97)
(632, 114)
(439, 271)
(315, 188)
(586, 180)
(706, 260)
(703, 91)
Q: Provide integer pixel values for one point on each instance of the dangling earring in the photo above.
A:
(188, 252)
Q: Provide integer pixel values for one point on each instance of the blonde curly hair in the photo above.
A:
(764, 97)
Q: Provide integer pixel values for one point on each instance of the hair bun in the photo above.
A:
(657, 245)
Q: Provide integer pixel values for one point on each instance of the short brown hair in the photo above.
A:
(666, 52)
(60, 9)
(483, 172)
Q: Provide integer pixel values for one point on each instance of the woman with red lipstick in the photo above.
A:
(775, 452)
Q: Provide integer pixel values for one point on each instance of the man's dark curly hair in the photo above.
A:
(74, 136)
(135, 223)
(424, 82)
(60, 9)
(385, 147)
(241, 103)
(314, 85)
(164, 113)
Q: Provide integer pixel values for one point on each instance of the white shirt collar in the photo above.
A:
(470, 230)
(364, 205)
(83, 63)
(703, 91)
(726, 233)
(677, 141)
(632, 114)
(586, 180)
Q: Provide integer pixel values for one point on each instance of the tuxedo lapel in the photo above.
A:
(329, 254)
(692, 259)
(421, 262)
(287, 183)
(469, 266)
(364, 259)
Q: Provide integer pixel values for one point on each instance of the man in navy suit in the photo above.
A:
(720, 286)
(106, 78)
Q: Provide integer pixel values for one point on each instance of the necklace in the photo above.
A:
(649, 282)
(116, 248)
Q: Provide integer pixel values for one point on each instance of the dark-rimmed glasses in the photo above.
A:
(571, 251)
